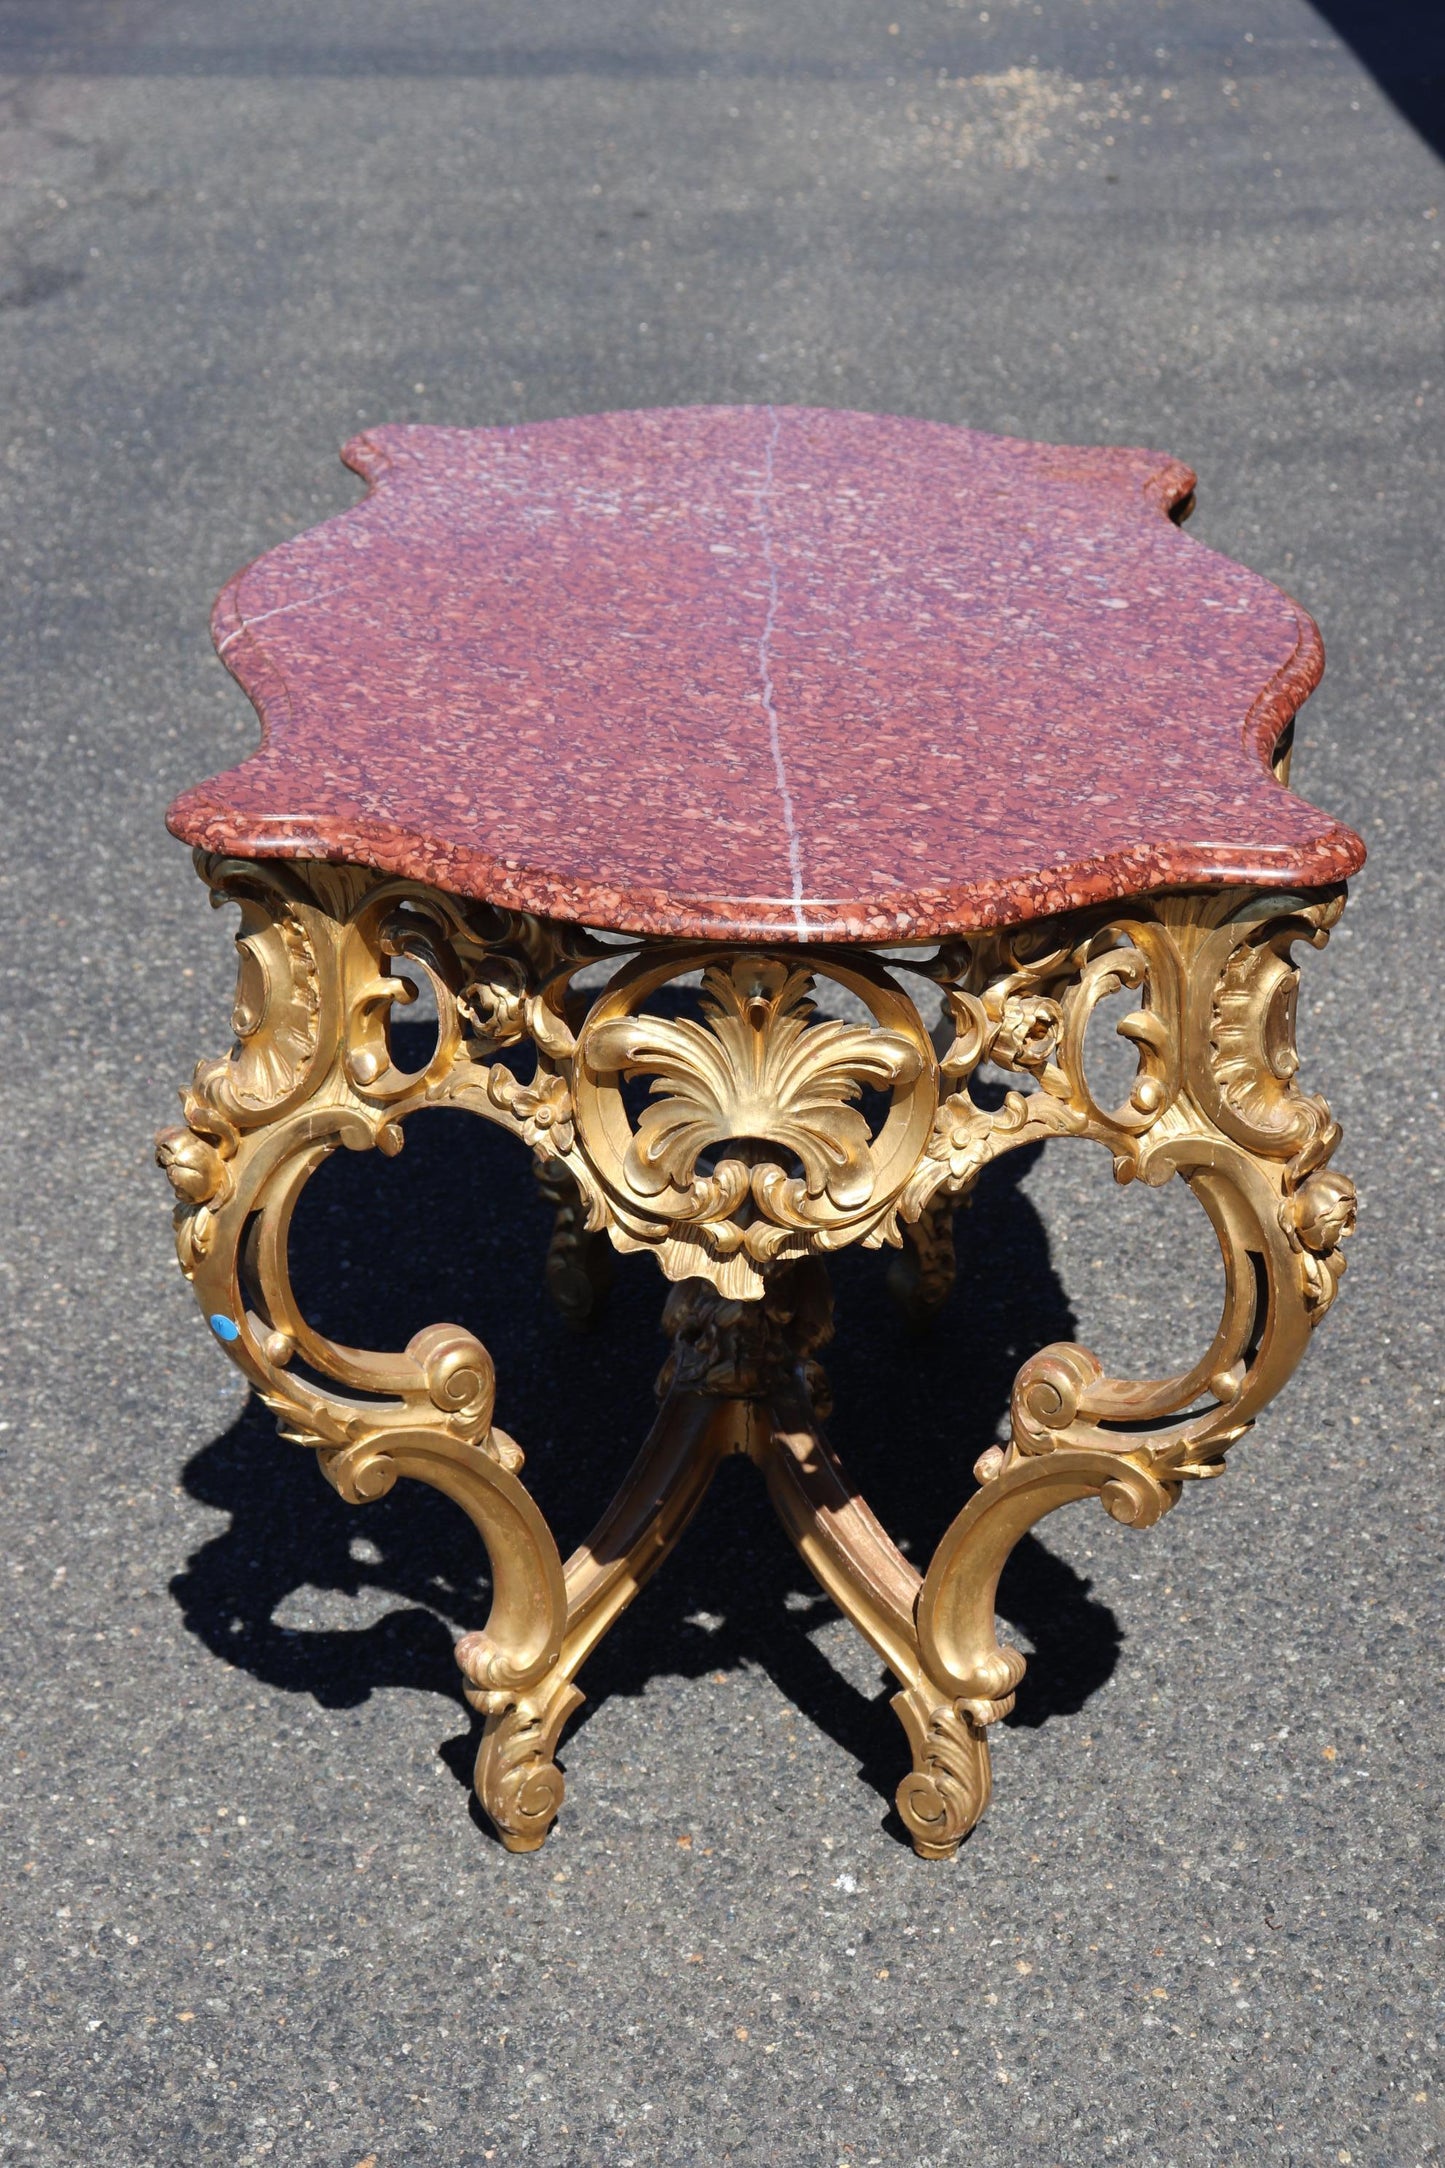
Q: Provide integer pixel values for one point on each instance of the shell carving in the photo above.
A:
(1252, 1050)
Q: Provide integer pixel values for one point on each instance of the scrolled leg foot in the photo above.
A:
(517, 1779)
(951, 1780)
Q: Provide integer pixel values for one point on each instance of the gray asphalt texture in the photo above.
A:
(248, 1915)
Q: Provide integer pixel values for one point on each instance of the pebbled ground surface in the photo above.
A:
(247, 1915)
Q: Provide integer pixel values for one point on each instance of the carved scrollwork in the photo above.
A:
(1024, 1001)
(769, 1132)
(739, 1145)
(1048, 1393)
(278, 999)
(517, 1778)
(1249, 1075)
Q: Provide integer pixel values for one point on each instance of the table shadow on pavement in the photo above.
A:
(454, 1228)
(1402, 45)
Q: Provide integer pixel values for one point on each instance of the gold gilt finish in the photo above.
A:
(737, 1144)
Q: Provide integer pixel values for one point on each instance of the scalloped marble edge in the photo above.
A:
(197, 817)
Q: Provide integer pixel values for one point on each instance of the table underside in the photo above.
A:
(690, 1100)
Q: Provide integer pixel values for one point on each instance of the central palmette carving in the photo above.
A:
(770, 1093)
(754, 1146)
(758, 1068)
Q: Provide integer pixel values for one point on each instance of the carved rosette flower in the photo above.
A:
(198, 1160)
(194, 1165)
(1316, 1219)
(542, 1109)
(197, 1163)
(961, 1133)
(1027, 1032)
(496, 1006)
(966, 1136)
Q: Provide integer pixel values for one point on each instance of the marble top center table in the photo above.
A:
(699, 760)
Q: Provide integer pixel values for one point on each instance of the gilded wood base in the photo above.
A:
(755, 1153)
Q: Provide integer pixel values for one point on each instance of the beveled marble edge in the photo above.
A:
(911, 916)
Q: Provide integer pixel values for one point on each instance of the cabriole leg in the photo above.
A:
(311, 1072)
(1216, 1103)
(517, 1779)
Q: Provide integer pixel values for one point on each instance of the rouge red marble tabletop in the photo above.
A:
(766, 673)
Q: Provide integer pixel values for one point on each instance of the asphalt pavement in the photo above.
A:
(248, 1915)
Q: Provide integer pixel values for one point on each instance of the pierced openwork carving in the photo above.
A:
(739, 1145)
